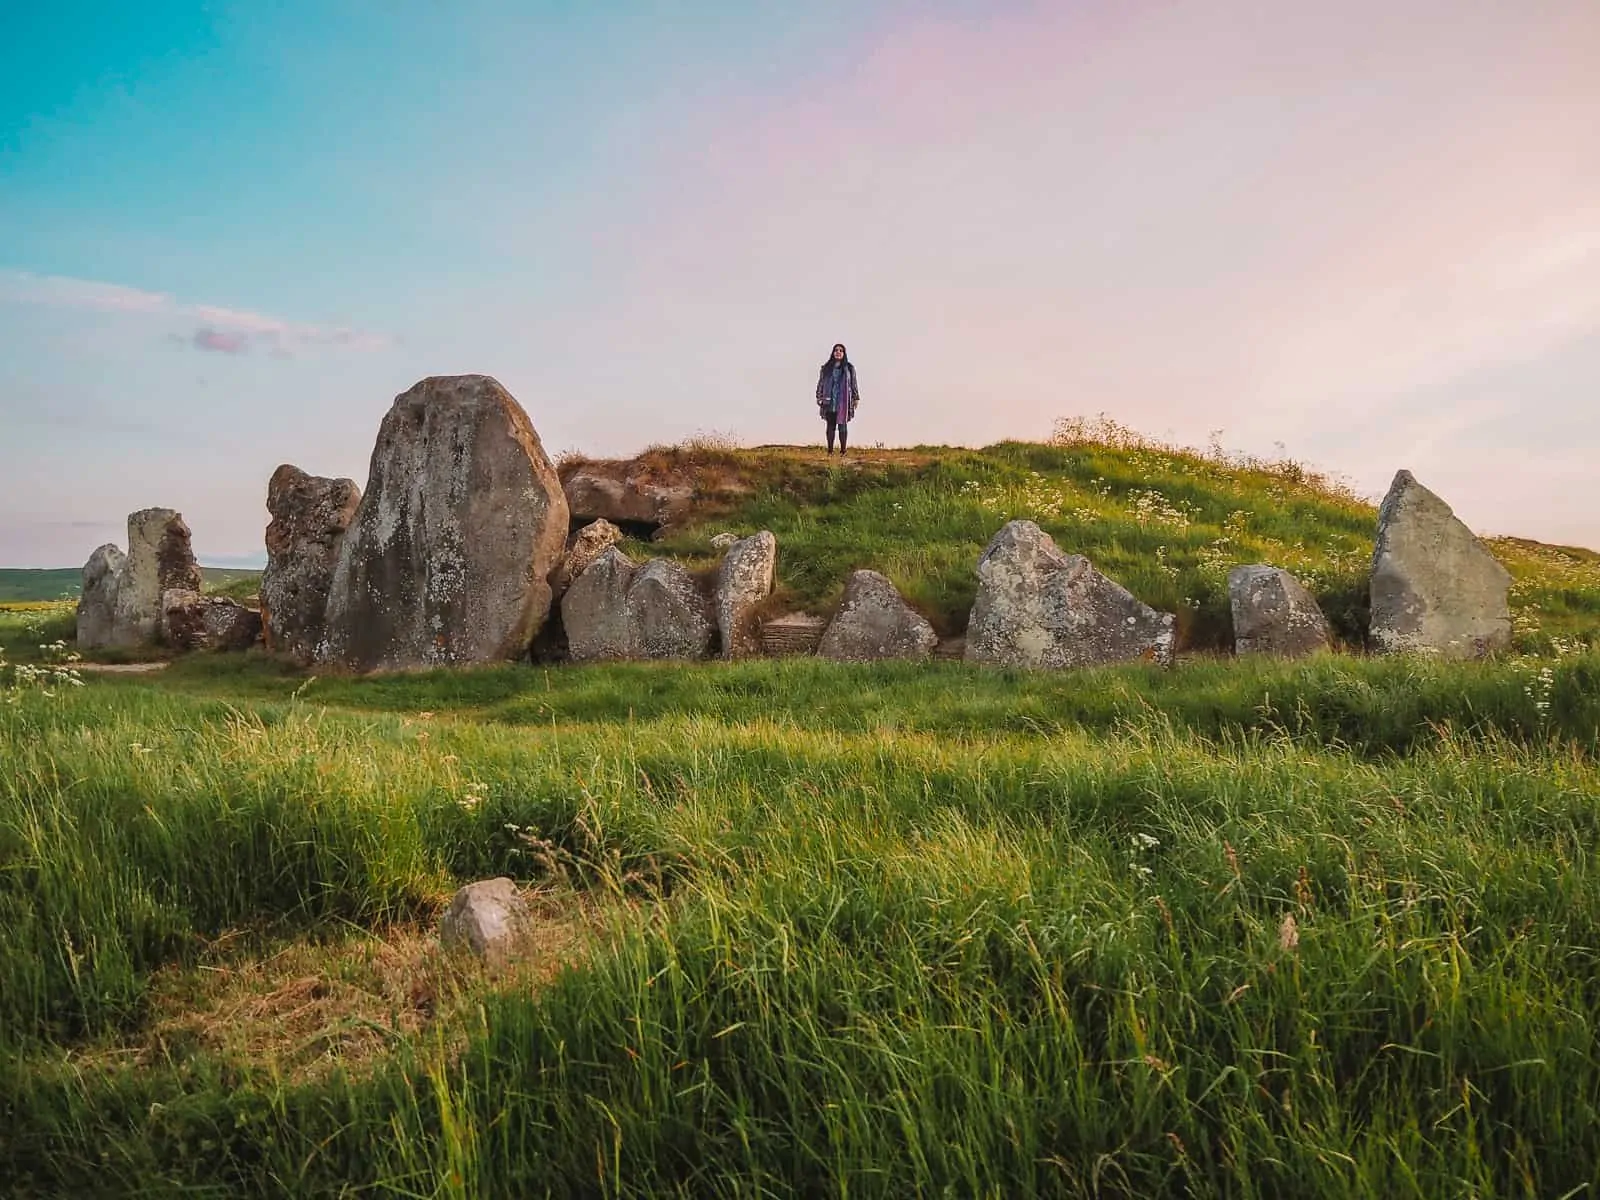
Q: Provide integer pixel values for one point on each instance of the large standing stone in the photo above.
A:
(1435, 588)
(875, 622)
(488, 918)
(309, 517)
(590, 543)
(669, 615)
(192, 621)
(595, 609)
(160, 558)
(1038, 607)
(448, 558)
(1274, 614)
(744, 580)
(97, 602)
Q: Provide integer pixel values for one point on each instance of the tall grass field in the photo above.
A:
(1237, 928)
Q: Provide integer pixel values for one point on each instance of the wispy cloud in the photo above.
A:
(213, 328)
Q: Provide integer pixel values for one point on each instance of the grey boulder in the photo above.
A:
(1039, 608)
(1274, 614)
(593, 540)
(874, 622)
(1435, 588)
(487, 917)
(97, 601)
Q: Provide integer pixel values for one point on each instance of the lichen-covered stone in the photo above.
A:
(590, 543)
(1435, 588)
(310, 514)
(744, 580)
(1274, 614)
(668, 614)
(160, 558)
(594, 610)
(449, 556)
(875, 622)
(97, 601)
(1038, 607)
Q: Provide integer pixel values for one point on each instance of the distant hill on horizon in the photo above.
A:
(33, 585)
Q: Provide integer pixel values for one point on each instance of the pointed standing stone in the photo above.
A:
(1435, 588)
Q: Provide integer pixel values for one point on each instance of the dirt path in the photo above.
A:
(135, 668)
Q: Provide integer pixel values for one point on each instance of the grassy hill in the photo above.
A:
(1165, 522)
(1244, 929)
(30, 586)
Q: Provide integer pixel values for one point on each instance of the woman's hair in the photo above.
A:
(828, 362)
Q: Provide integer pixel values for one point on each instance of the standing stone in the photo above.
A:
(449, 556)
(1435, 588)
(1038, 607)
(192, 621)
(1274, 614)
(592, 541)
(97, 602)
(487, 917)
(875, 622)
(160, 558)
(309, 517)
(668, 614)
(594, 611)
(744, 580)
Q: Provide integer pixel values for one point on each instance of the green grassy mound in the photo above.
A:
(1165, 522)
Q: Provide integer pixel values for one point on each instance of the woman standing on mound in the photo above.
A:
(837, 395)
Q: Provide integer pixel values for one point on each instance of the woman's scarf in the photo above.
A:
(839, 392)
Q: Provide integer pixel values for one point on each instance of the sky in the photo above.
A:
(1364, 235)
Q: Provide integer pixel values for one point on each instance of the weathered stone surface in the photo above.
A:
(624, 493)
(618, 609)
(1274, 614)
(744, 580)
(160, 558)
(1435, 588)
(192, 621)
(1038, 607)
(449, 556)
(721, 541)
(594, 610)
(669, 614)
(310, 514)
(792, 634)
(588, 544)
(97, 602)
(487, 917)
(875, 622)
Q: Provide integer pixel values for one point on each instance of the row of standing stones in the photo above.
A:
(460, 551)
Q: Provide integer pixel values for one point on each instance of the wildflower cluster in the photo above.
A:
(59, 670)
(1144, 845)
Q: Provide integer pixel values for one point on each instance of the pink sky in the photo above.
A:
(1368, 232)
